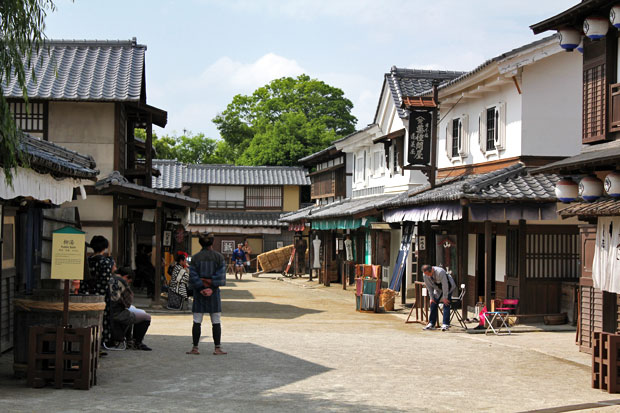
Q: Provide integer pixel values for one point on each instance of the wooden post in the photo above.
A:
(158, 247)
(65, 306)
(433, 167)
(521, 260)
(463, 246)
(148, 158)
(488, 261)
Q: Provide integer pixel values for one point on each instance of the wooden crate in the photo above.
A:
(606, 361)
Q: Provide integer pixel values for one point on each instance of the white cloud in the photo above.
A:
(228, 73)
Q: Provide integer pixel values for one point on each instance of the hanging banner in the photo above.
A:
(401, 260)
(68, 247)
(419, 146)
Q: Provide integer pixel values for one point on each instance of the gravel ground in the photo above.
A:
(297, 346)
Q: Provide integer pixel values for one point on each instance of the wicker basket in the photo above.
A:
(387, 299)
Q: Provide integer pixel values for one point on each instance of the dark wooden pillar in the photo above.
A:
(488, 262)
(115, 229)
(148, 156)
(158, 248)
(463, 249)
(522, 245)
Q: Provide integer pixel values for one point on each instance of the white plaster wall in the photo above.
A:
(552, 105)
(500, 258)
(472, 108)
(94, 207)
(471, 255)
(85, 127)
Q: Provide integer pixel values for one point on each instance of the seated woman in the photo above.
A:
(238, 257)
(179, 277)
(128, 323)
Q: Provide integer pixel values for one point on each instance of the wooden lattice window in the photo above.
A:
(594, 103)
(30, 117)
(552, 256)
(263, 197)
(512, 253)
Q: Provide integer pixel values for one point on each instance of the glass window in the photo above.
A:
(492, 118)
(456, 136)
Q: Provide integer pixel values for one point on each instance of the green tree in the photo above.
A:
(22, 23)
(188, 148)
(283, 121)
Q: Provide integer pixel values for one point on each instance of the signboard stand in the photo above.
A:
(75, 350)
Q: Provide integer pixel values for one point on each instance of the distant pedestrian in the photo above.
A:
(179, 278)
(238, 257)
(248, 253)
(439, 285)
(207, 273)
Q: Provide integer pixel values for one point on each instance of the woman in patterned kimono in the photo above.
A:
(179, 277)
(101, 268)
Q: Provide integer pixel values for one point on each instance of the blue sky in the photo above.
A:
(203, 52)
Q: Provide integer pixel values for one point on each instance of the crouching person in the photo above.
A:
(129, 324)
(207, 273)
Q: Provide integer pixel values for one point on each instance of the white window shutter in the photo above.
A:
(500, 140)
(449, 139)
(464, 137)
(482, 130)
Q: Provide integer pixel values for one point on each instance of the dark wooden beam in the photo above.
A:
(97, 224)
(521, 259)
(115, 229)
(488, 262)
(158, 251)
(148, 155)
(433, 166)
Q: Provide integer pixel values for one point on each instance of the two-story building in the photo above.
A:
(89, 96)
(487, 220)
(361, 171)
(237, 203)
(592, 26)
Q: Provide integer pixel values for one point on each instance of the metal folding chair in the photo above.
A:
(456, 305)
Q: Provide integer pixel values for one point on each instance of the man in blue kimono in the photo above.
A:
(207, 273)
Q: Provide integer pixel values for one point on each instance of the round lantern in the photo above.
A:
(566, 190)
(569, 39)
(590, 188)
(595, 27)
(614, 16)
(580, 46)
(612, 184)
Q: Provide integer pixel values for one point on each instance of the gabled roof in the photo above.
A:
(573, 16)
(236, 218)
(512, 183)
(411, 83)
(85, 70)
(246, 175)
(48, 157)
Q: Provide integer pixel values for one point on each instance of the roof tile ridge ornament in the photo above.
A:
(491, 178)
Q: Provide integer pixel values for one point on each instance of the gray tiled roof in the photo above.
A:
(512, 183)
(345, 208)
(246, 175)
(45, 156)
(603, 206)
(603, 154)
(85, 70)
(237, 219)
(115, 179)
(413, 82)
(171, 175)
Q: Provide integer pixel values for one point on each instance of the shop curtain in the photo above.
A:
(606, 265)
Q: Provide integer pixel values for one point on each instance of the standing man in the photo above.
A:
(207, 273)
(238, 258)
(440, 286)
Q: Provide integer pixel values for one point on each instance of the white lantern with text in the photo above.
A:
(566, 190)
(569, 39)
(612, 184)
(595, 27)
(614, 16)
(590, 188)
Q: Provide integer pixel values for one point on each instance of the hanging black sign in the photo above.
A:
(419, 148)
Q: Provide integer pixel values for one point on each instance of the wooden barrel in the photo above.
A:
(44, 308)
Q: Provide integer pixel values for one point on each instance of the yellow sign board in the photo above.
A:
(68, 255)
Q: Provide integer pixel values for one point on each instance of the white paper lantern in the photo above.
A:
(614, 16)
(569, 39)
(612, 184)
(566, 190)
(595, 27)
(580, 46)
(590, 188)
